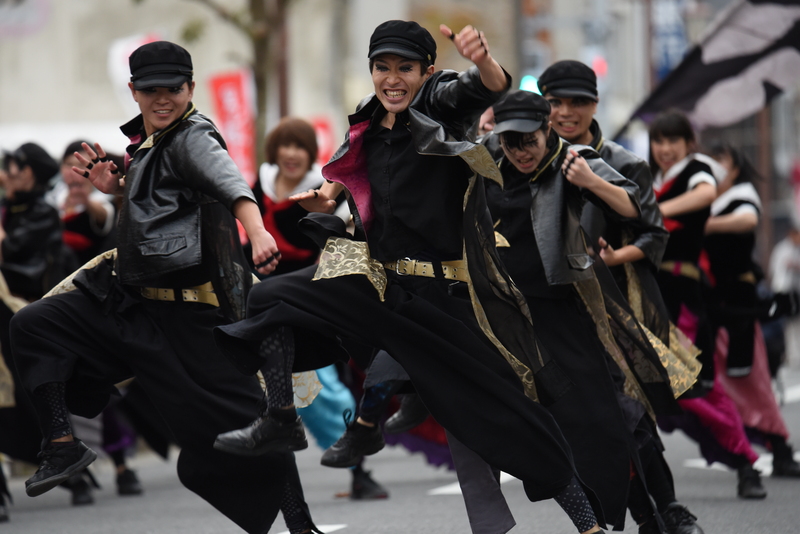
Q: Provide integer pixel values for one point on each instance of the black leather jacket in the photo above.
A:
(171, 176)
(556, 209)
(32, 243)
(648, 232)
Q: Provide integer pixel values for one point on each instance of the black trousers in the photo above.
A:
(168, 348)
(429, 327)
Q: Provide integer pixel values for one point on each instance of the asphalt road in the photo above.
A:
(422, 500)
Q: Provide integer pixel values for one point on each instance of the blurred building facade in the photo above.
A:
(60, 78)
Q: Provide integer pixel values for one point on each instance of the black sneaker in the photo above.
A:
(749, 486)
(128, 483)
(357, 441)
(411, 414)
(365, 488)
(59, 462)
(679, 520)
(265, 434)
(784, 464)
(80, 488)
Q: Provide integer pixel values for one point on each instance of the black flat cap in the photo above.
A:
(520, 111)
(569, 79)
(160, 64)
(34, 156)
(403, 38)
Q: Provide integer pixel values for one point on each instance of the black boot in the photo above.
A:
(356, 442)
(268, 433)
(411, 414)
(364, 488)
(81, 489)
(679, 520)
(128, 483)
(783, 462)
(749, 486)
(59, 462)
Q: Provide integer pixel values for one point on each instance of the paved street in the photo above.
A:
(422, 499)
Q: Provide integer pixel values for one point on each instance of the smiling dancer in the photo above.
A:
(421, 277)
(148, 312)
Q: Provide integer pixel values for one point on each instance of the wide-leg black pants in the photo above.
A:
(429, 326)
(168, 348)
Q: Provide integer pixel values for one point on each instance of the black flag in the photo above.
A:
(750, 54)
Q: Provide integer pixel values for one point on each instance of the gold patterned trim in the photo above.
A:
(592, 296)
(306, 386)
(66, 285)
(342, 257)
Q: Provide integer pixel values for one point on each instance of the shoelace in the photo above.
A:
(347, 415)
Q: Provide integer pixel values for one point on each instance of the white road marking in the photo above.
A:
(324, 528)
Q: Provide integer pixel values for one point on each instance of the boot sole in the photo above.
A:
(273, 446)
(43, 486)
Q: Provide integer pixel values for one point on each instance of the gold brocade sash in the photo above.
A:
(342, 256)
(680, 358)
(592, 296)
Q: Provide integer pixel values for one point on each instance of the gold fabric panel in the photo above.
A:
(66, 285)
(524, 372)
(480, 161)
(306, 387)
(6, 386)
(6, 380)
(680, 358)
(342, 257)
(592, 297)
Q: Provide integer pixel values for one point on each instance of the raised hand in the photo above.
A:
(577, 171)
(469, 42)
(100, 170)
(472, 45)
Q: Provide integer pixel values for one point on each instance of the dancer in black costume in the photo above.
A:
(421, 277)
(149, 312)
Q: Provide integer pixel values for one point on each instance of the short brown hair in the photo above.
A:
(291, 130)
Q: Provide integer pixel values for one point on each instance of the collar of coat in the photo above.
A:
(349, 165)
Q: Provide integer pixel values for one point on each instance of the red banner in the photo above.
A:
(232, 97)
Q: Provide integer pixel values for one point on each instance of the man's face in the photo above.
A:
(572, 117)
(527, 157)
(397, 81)
(161, 106)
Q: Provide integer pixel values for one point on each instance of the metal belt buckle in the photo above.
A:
(397, 266)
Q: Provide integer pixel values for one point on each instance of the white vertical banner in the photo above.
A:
(119, 69)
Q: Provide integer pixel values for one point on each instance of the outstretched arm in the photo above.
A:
(472, 45)
(321, 200)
